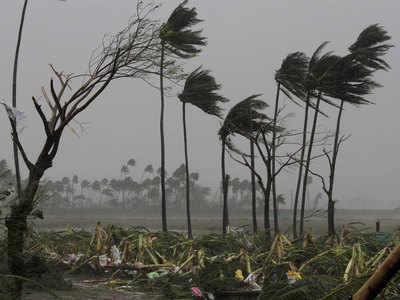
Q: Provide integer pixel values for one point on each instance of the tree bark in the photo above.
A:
(225, 179)
(16, 227)
(267, 220)
(14, 99)
(189, 223)
(331, 203)
(162, 173)
(377, 282)
(273, 171)
(299, 176)
(308, 161)
(253, 189)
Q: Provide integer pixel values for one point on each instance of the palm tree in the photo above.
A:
(320, 79)
(74, 181)
(96, 187)
(85, 184)
(149, 169)
(131, 163)
(66, 181)
(115, 184)
(243, 119)
(290, 80)
(305, 89)
(124, 171)
(355, 71)
(253, 188)
(235, 184)
(200, 90)
(179, 40)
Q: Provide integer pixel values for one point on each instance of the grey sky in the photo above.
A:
(247, 41)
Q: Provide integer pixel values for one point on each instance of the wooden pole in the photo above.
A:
(378, 281)
(378, 226)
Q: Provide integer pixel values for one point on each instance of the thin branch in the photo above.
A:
(15, 137)
(56, 100)
(42, 117)
(322, 180)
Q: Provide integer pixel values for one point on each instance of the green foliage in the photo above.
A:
(370, 47)
(245, 118)
(292, 74)
(200, 90)
(176, 34)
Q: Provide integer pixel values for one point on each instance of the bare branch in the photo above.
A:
(15, 137)
(322, 180)
(42, 117)
(56, 100)
(246, 164)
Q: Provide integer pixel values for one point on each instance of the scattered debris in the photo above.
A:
(213, 265)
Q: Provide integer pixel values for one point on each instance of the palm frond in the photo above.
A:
(183, 43)
(201, 90)
(349, 80)
(316, 55)
(182, 17)
(370, 47)
(292, 73)
(245, 118)
(177, 35)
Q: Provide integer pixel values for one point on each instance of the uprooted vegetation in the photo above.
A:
(135, 259)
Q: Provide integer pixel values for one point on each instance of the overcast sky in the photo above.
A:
(246, 43)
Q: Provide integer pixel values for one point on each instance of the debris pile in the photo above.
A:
(212, 266)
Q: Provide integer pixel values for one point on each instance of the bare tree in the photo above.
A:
(129, 53)
(287, 155)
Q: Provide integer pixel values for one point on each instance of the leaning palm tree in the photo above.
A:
(355, 71)
(321, 78)
(199, 90)
(290, 80)
(179, 40)
(243, 119)
(348, 79)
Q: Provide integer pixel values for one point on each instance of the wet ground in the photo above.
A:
(88, 291)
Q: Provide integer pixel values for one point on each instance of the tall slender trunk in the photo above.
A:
(225, 183)
(308, 161)
(273, 171)
(162, 173)
(299, 176)
(268, 186)
(253, 189)
(331, 203)
(275, 208)
(189, 223)
(267, 221)
(14, 98)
